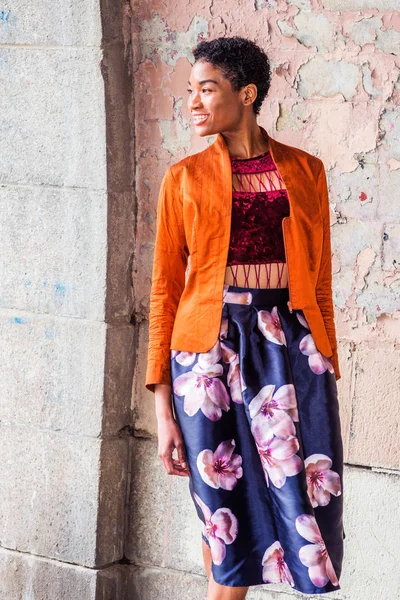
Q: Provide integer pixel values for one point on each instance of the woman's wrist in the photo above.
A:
(163, 402)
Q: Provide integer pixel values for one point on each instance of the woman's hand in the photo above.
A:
(169, 438)
(169, 434)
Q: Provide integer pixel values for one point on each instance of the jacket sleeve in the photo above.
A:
(324, 282)
(168, 280)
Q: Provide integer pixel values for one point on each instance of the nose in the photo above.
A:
(194, 100)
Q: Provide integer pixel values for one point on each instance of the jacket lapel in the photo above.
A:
(220, 167)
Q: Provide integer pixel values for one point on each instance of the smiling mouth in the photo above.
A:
(199, 119)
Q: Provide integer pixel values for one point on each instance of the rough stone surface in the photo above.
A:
(375, 423)
(53, 251)
(372, 527)
(50, 495)
(61, 385)
(56, 126)
(24, 576)
(143, 400)
(74, 24)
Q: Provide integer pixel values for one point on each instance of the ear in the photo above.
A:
(249, 94)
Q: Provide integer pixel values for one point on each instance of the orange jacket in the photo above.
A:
(194, 218)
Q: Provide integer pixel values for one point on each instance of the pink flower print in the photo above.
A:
(318, 363)
(201, 387)
(235, 379)
(270, 326)
(301, 318)
(220, 529)
(321, 481)
(274, 412)
(275, 569)
(279, 459)
(223, 333)
(184, 358)
(236, 297)
(222, 468)
(206, 360)
(315, 555)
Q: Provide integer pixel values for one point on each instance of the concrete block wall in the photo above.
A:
(67, 223)
(335, 92)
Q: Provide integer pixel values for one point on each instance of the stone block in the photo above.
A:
(372, 527)
(25, 576)
(52, 103)
(62, 496)
(54, 257)
(152, 583)
(118, 377)
(52, 372)
(43, 24)
(374, 430)
(145, 420)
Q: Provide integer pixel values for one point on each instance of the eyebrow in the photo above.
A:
(205, 81)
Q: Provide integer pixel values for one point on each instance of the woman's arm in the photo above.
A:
(324, 282)
(168, 280)
(169, 434)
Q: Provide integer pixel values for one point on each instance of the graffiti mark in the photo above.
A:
(18, 320)
(59, 289)
(6, 17)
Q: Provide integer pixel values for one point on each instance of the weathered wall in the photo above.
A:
(66, 352)
(335, 92)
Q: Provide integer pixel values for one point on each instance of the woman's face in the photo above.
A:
(213, 105)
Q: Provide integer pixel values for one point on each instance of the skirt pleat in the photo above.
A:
(259, 416)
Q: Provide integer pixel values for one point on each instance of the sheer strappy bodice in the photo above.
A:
(256, 256)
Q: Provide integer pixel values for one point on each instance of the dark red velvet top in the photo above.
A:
(259, 204)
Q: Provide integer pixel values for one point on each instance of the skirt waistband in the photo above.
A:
(234, 294)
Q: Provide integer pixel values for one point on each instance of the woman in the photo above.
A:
(242, 343)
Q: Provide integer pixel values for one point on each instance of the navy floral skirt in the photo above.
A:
(259, 416)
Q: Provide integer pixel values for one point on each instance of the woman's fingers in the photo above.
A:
(179, 469)
(173, 467)
(169, 438)
(181, 454)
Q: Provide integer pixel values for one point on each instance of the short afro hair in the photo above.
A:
(241, 62)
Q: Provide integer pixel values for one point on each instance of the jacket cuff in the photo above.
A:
(157, 373)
